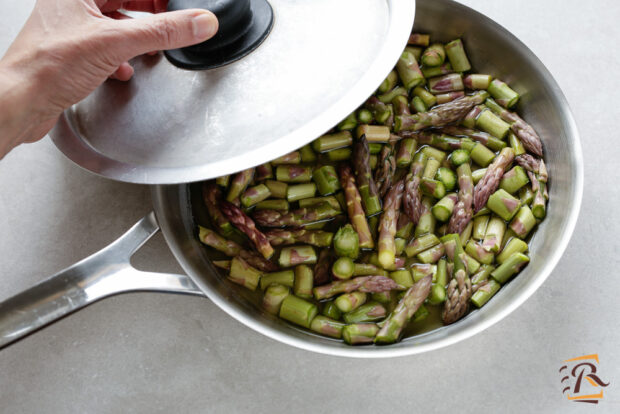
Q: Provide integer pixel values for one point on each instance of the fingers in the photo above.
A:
(123, 73)
(164, 31)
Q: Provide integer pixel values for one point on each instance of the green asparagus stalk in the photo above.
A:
(480, 227)
(477, 81)
(223, 181)
(444, 207)
(273, 298)
(420, 271)
(504, 204)
(387, 226)
(446, 83)
(431, 167)
(332, 141)
(364, 116)
(433, 71)
(346, 242)
(427, 98)
(431, 255)
(300, 191)
(331, 310)
(486, 292)
(482, 137)
(478, 175)
(404, 228)
(367, 269)
(514, 179)
(447, 177)
(481, 155)
(515, 144)
(365, 181)
(278, 189)
(307, 154)
(348, 302)
(409, 71)
(427, 221)
(511, 266)
(421, 244)
(515, 245)
(389, 83)
(503, 94)
(528, 136)
(246, 225)
(326, 180)
(367, 284)
(494, 235)
(439, 116)
(296, 255)
(368, 312)
(340, 154)
(293, 173)
(243, 274)
(304, 282)
(400, 104)
(212, 196)
(390, 95)
(402, 314)
(479, 253)
(462, 214)
(405, 152)
(381, 112)
(458, 294)
(326, 326)
(359, 333)
(419, 39)
(491, 123)
(284, 277)
(318, 238)
(222, 264)
(238, 185)
(348, 123)
(402, 277)
(433, 188)
(373, 133)
(290, 158)
(523, 222)
(212, 239)
(263, 172)
(254, 195)
(343, 268)
(354, 207)
(491, 180)
(434, 55)
(469, 121)
(456, 56)
(537, 173)
(298, 311)
(443, 98)
(295, 218)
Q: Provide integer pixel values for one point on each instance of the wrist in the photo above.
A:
(22, 114)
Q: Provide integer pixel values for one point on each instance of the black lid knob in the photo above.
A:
(243, 25)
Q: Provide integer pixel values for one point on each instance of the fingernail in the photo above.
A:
(203, 26)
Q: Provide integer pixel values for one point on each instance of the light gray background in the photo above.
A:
(163, 353)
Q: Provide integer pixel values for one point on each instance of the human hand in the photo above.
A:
(69, 47)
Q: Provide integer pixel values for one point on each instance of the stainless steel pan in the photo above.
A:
(492, 49)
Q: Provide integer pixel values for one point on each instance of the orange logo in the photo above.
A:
(581, 381)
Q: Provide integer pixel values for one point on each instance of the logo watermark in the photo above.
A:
(580, 379)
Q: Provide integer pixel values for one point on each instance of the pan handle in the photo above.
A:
(106, 273)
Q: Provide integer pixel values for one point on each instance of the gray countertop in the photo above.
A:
(166, 353)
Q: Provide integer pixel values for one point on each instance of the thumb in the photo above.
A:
(170, 30)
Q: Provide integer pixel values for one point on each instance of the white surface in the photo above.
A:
(159, 353)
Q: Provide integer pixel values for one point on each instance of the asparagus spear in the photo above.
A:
(284, 277)
(359, 333)
(365, 182)
(419, 39)
(246, 225)
(322, 268)
(238, 185)
(212, 196)
(456, 55)
(212, 239)
(350, 301)
(477, 81)
(434, 55)
(326, 180)
(257, 260)
(441, 115)
(327, 326)
(368, 312)
(446, 83)
(298, 311)
(381, 112)
(243, 274)
(389, 83)
(409, 71)
(524, 131)
(296, 255)
(318, 238)
(354, 207)
(490, 181)
(304, 281)
(463, 213)
(367, 269)
(407, 306)
(412, 200)
(263, 172)
(505, 96)
(385, 169)
(274, 296)
(254, 195)
(290, 158)
(537, 173)
(295, 218)
(346, 242)
(367, 284)
(458, 294)
(387, 227)
(482, 137)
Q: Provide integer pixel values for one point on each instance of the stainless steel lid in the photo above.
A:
(168, 125)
